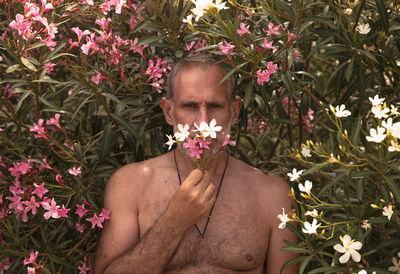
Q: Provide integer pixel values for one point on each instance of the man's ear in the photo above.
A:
(166, 105)
(236, 106)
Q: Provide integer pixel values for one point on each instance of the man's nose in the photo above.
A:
(203, 115)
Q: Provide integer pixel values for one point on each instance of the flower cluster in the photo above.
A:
(202, 6)
(199, 140)
(33, 24)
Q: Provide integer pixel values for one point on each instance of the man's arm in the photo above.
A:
(120, 250)
(275, 257)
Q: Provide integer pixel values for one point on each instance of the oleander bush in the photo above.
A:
(81, 84)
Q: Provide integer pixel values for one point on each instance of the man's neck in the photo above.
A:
(186, 164)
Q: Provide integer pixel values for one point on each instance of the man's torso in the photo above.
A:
(236, 239)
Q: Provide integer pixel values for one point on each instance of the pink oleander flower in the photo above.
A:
(98, 77)
(20, 168)
(22, 26)
(32, 258)
(96, 221)
(80, 33)
(54, 121)
(272, 67)
(74, 171)
(273, 29)
(156, 70)
(52, 209)
(307, 120)
(31, 205)
(80, 227)
(157, 85)
(62, 212)
(16, 204)
(243, 29)
(1, 60)
(103, 23)
(83, 269)
(262, 76)
(228, 141)
(59, 179)
(72, 44)
(227, 48)
(81, 210)
(40, 190)
(39, 129)
(49, 66)
(268, 45)
(191, 144)
(105, 213)
(44, 165)
(5, 264)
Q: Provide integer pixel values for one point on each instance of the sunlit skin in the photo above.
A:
(153, 217)
(199, 96)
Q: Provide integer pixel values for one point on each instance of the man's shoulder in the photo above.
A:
(137, 172)
(263, 180)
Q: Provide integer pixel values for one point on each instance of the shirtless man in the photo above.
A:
(153, 217)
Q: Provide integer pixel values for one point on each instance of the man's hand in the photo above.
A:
(193, 200)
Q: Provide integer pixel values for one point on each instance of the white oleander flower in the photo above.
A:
(188, 20)
(348, 11)
(208, 129)
(394, 146)
(349, 248)
(310, 228)
(183, 132)
(366, 225)
(363, 28)
(376, 100)
(295, 174)
(220, 5)
(170, 142)
(388, 211)
(284, 219)
(394, 110)
(340, 111)
(305, 152)
(395, 268)
(313, 213)
(380, 112)
(306, 187)
(377, 135)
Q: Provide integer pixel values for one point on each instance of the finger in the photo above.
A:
(194, 177)
(204, 182)
(210, 194)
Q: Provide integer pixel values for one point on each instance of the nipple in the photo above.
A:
(249, 257)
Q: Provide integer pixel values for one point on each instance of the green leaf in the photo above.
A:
(248, 95)
(105, 142)
(292, 261)
(149, 40)
(304, 264)
(261, 140)
(128, 126)
(393, 187)
(328, 269)
(349, 70)
(12, 68)
(384, 19)
(28, 64)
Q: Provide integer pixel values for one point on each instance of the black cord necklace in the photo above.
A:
(202, 234)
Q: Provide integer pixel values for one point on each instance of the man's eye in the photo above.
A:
(189, 106)
(214, 106)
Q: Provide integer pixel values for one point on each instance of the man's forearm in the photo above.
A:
(152, 253)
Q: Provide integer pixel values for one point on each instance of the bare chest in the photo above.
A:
(236, 238)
